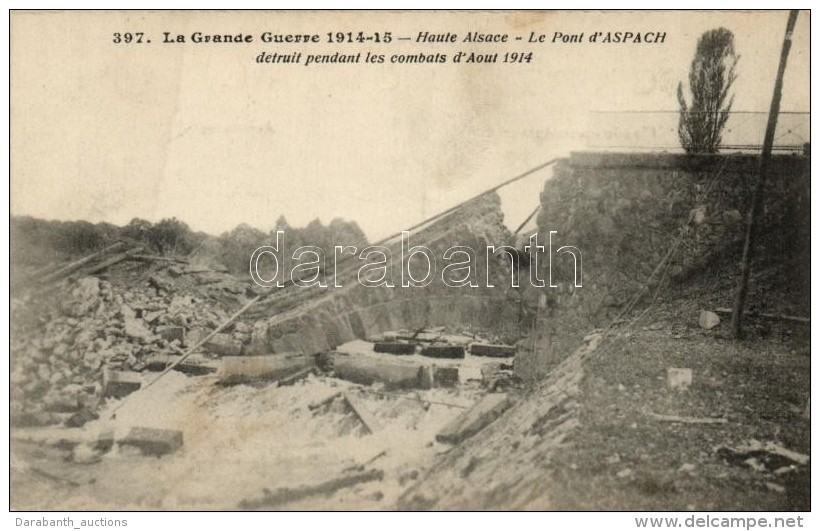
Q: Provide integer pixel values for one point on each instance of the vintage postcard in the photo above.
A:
(409, 260)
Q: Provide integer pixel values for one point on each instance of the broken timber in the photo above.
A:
(108, 263)
(775, 317)
(285, 495)
(368, 420)
(689, 420)
(475, 419)
(70, 268)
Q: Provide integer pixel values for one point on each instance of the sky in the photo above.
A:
(201, 132)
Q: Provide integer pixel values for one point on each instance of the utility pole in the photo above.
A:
(765, 162)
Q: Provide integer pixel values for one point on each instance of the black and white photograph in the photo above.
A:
(410, 260)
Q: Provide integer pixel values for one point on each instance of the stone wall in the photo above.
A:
(624, 211)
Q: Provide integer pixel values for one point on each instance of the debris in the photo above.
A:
(776, 317)
(285, 495)
(443, 351)
(444, 376)
(244, 369)
(492, 351)
(316, 404)
(295, 377)
(361, 467)
(192, 367)
(151, 317)
(153, 441)
(625, 473)
(84, 298)
(774, 487)
(223, 345)
(769, 456)
(755, 464)
(698, 214)
(686, 468)
(679, 379)
(78, 419)
(68, 269)
(117, 384)
(133, 327)
(689, 420)
(157, 258)
(62, 401)
(732, 216)
(492, 372)
(171, 333)
(160, 283)
(85, 454)
(776, 449)
(368, 420)
(708, 320)
(111, 261)
(52, 477)
(368, 370)
(475, 419)
(393, 347)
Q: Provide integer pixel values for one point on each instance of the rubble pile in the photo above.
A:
(68, 336)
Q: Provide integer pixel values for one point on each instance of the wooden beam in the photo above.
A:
(68, 269)
(368, 420)
(287, 495)
(475, 419)
(776, 317)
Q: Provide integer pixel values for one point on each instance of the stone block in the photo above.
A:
(245, 369)
(117, 384)
(443, 351)
(492, 351)
(153, 441)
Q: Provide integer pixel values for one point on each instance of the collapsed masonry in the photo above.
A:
(310, 320)
(120, 313)
(100, 336)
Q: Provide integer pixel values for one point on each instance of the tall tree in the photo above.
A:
(711, 76)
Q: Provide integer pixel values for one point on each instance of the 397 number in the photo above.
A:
(128, 38)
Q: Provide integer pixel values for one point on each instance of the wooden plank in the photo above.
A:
(773, 316)
(475, 419)
(689, 420)
(295, 377)
(316, 404)
(107, 263)
(370, 422)
(68, 269)
(157, 258)
(287, 495)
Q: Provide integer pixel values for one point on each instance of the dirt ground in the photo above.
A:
(623, 458)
